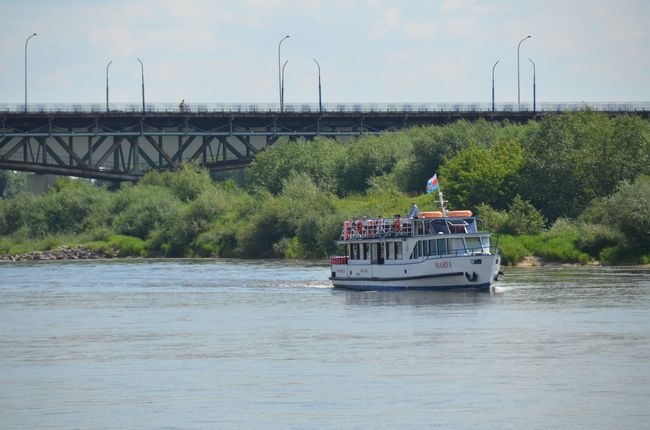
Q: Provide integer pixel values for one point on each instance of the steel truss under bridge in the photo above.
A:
(121, 145)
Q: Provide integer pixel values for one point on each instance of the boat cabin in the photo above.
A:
(386, 240)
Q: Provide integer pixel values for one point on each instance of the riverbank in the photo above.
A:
(83, 253)
(61, 253)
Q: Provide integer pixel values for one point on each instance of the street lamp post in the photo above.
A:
(280, 71)
(534, 109)
(142, 72)
(282, 87)
(518, 86)
(495, 64)
(26, 41)
(107, 66)
(320, 100)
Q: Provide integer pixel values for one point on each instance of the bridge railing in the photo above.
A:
(327, 107)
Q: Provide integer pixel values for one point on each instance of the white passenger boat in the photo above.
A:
(438, 250)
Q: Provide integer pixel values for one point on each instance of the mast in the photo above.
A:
(441, 201)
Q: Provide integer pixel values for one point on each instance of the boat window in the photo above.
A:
(456, 246)
(439, 227)
(425, 248)
(389, 255)
(374, 253)
(458, 227)
(474, 244)
(355, 251)
(365, 251)
(414, 253)
(485, 242)
(442, 246)
(432, 247)
(398, 250)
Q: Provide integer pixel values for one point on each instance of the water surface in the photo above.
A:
(229, 344)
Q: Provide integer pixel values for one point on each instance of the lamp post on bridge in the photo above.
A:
(280, 85)
(534, 109)
(142, 72)
(495, 64)
(107, 66)
(26, 41)
(518, 86)
(320, 100)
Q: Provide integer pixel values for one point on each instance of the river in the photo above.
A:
(203, 344)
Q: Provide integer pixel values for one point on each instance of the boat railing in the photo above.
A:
(479, 250)
(449, 253)
(374, 228)
(367, 228)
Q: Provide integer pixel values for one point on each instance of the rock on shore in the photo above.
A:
(61, 253)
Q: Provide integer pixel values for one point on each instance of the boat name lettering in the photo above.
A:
(443, 264)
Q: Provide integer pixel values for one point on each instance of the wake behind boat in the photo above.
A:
(436, 250)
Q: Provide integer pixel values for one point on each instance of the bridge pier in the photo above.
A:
(38, 183)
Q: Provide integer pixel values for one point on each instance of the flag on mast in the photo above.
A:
(432, 184)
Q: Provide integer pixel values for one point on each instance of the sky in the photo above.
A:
(369, 51)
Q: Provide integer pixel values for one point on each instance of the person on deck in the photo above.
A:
(413, 213)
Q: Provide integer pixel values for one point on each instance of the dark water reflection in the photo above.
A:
(416, 298)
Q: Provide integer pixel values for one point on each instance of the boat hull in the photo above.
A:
(375, 287)
(429, 274)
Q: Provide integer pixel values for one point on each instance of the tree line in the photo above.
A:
(568, 187)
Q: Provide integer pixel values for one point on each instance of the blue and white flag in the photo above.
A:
(432, 184)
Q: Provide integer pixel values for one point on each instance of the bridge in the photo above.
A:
(123, 142)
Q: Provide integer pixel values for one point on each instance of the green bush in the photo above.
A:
(143, 209)
(593, 238)
(514, 251)
(479, 174)
(368, 157)
(317, 160)
(186, 183)
(23, 214)
(628, 211)
(100, 247)
(70, 205)
(523, 218)
(493, 220)
(128, 245)
(266, 227)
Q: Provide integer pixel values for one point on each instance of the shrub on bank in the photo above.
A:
(514, 251)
